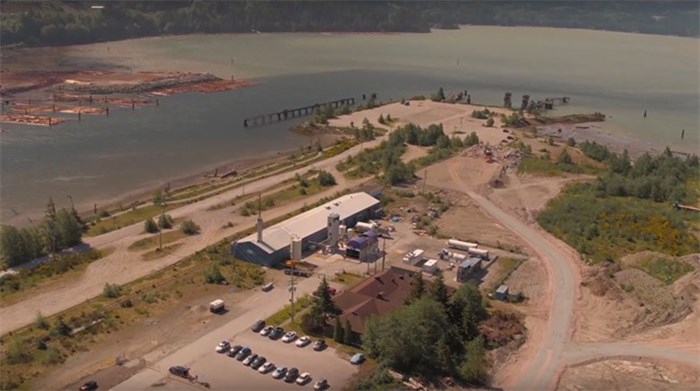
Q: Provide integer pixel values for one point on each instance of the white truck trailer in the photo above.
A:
(460, 245)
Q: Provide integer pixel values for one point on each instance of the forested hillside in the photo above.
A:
(73, 22)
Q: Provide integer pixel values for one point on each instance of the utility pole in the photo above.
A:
(383, 252)
(425, 179)
(292, 288)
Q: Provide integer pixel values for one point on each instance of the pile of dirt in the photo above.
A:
(660, 305)
(509, 157)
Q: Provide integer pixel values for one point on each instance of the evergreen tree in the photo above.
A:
(438, 289)
(50, 228)
(12, 245)
(322, 302)
(347, 333)
(338, 331)
(69, 229)
(418, 288)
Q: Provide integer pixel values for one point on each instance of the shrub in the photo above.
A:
(325, 178)
(41, 322)
(150, 226)
(165, 221)
(189, 227)
(571, 142)
(112, 291)
(213, 275)
(489, 122)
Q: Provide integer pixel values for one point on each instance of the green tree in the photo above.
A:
(338, 334)
(473, 369)
(438, 289)
(150, 226)
(69, 230)
(469, 299)
(444, 356)
(322, 302)
(381, 119)
(347, 333)
(13, 246)
(489, 122)
(471, 139)
(112, 291)
(50, 227)
(439, 96)
(571, 142)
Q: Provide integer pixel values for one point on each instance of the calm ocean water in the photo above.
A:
(102, 158)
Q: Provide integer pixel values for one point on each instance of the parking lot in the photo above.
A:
(227, 373)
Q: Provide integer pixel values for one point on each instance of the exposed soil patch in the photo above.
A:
(629, 375)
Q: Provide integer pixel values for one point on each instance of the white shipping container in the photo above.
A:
(458, 244)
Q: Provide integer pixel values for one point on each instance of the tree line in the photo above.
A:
(60, 229)
(76, 22)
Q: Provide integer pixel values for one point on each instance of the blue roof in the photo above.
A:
(358, 242)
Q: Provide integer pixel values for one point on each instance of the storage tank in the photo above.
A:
(362, 226)
(458, 257)
(296, 248)
(343, 230)
(483, 254)
(333, 229)
(351, 232)
(458, 244)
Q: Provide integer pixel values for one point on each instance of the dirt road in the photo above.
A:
(123, 266)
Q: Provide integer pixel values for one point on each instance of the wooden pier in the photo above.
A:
(286, 114)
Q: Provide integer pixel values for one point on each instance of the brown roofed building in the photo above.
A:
(375, 296)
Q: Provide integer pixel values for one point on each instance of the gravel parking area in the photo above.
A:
(227, 373)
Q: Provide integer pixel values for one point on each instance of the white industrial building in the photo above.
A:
(273, 245)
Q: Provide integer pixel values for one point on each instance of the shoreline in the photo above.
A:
(142, 193)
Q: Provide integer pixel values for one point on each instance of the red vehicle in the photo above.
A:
(332, 290)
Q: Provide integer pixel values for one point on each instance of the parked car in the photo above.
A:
(245, 352)
(258, 362)
(292, 375)
(276, 333)
(289, 337)
(357, 359)
(258, 326)
(179, 370)
(266, 331)
(249, 360)
(279, 373)
(304, 378)
(320, 345)
(268, 287)
(267, 367)
(89, 386)
(332, 291)
(321, 385)
(303, 341)
(223, 346)
(233, 350)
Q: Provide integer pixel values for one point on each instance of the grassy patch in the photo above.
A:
(545, 167)
(507, 267)
(157, 254)
(13, 284)
(348, 279)
(138, 215)
(305, 187)
(154, 241)
(285, 313)
(667, 270)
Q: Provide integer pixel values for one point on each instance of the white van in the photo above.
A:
(217, 306)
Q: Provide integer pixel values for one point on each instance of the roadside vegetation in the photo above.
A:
(629, 208)
(10, 284)
(305, 185)
(60, 230)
